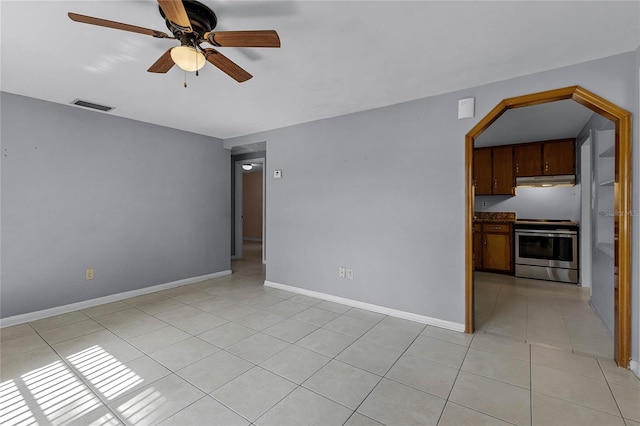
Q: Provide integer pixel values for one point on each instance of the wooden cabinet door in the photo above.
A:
(559, 158)
(477, 247)
(503, 181)
(496, 252)
(482, 172)
(527, 160)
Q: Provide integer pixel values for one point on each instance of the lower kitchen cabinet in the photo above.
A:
(493, 247)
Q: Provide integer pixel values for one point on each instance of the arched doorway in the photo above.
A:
(622, 203)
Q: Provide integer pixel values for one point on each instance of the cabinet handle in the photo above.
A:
(546, 166)
(495, 183)
(484, 243)
(496, 227)
(517, 167)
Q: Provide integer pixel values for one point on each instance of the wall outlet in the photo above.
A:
(342, 272)
(350, 274)
(485, 204)
(89, 274)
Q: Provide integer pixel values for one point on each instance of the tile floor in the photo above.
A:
(540, 312)
(232, 352)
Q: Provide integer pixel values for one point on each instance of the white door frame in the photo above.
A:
(238, 207)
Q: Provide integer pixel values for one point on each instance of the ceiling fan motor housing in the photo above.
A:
(202, 19)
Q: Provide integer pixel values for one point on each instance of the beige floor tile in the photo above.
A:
(258, 347)
(501, 345)
(315, 316)
(253, 393)
(628, 400)
(191, 320)
(437, 350)
(574, 388)
(450, 336)
(343, 383)
(286, 308)
(370, 357)
(295, 363)
(303, 407)
(211, 372)
(16, 332)
(235, 311)
(504, 401)
(393, 403)
(26, 362)
(103, 340)
(428, 376)
(290, 330)
(566, 361)
(183, 353)
(457, 415)
(619, 375)
(498, 367)
(58, 321)
(338, 308)
(260, 320)
(156, 402)
(70, 331)
(326, 342)
(21, 345)
(158, 339)
(227, 334)
(130, 328)
(205, 411)
(549, 411)
(106, 308)
(358, 419)
(349, 326)
(364, 315)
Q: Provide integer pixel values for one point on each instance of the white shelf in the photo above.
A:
(606, 248)
(609, 152)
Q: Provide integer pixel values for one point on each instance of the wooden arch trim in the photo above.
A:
(622, 203)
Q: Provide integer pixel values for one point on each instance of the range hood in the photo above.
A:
(544, 181)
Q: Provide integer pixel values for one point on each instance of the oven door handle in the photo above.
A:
(546, 233)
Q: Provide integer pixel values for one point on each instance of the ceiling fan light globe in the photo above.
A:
(187, 58)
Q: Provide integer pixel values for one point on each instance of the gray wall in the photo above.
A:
(382, 191)
(142, 204)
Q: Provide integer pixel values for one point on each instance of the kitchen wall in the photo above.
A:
(142, 204)
(383, 192)
(561, 202)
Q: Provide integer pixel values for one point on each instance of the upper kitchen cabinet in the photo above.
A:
(550, 158)
(493, 170)
(527, 159)
(559, 157)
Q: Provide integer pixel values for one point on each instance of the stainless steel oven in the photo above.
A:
(547, 250)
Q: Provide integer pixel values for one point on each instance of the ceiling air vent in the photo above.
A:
(91, 105)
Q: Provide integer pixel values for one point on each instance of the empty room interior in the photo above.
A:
(319, 213)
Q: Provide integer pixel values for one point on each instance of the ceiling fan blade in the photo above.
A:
(174, 11)
(263, 38)
(226, 65)
(163, 64)
(116, 25)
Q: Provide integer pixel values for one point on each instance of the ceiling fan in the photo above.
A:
(193, 23)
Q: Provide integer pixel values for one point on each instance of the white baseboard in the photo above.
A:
(635, 367)
(454, 326)
(45, 313)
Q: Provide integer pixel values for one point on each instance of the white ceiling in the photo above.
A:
(556, 120)
(337, 57)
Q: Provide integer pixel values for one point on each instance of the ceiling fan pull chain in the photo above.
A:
(185, 79)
